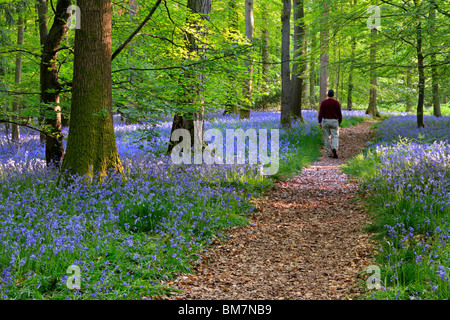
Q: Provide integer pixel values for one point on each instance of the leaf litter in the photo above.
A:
(304, 242)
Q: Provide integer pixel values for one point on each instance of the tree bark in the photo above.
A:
(285, 65)
(324, 47)
(248, 89)
(91, 147)
(298, 67)
(192, 80)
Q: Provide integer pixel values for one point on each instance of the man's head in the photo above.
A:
(330, 93)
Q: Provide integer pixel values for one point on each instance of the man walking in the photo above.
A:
(330, 112)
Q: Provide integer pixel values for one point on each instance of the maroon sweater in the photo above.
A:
(330, 109)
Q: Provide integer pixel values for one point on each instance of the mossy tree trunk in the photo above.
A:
(91, 147)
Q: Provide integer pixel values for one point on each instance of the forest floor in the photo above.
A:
(305, 241)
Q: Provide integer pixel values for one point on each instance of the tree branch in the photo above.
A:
(29, 127)
(21, 50)
(445, 13)
(139, 28)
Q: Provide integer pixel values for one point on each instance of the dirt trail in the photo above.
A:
(305, 241)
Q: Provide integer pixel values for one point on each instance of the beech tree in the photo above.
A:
(324, 47)
(49, 77)
(299, 64)
(248, 87)
(285, 65)
(372, 109)
(15, 130)
(192, 80)
(91, 146)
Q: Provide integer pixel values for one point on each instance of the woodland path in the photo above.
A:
(304, 242)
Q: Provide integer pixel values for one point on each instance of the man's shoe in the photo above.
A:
(335, 154)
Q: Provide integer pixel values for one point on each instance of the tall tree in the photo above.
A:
(192, 80)
(233, 18)
(409, 88)
(434, 69)
(350, 74)
(312, 67)
(91, 147)
(324, 47)
(421, 71)
(265, 50)
(285, 65)
(15, 134)
(372, 109)
(49, 77)
(248, 90)
(298, 67)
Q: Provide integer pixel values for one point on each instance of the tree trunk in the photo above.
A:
(91, 147)
(15, 129)
(231, 106)
(324, 56)
(285, 65)
(434, 72)
(435, 88)
(299, 61)
(265, 51)
(42, 11)
(131, 78)
(338, 75)
(372, 109)
(312, 69)
(350, 76)
(50, 87)
(421, 70)
(352, 68)
(192, 80)
(249, 28)
(409, 85)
